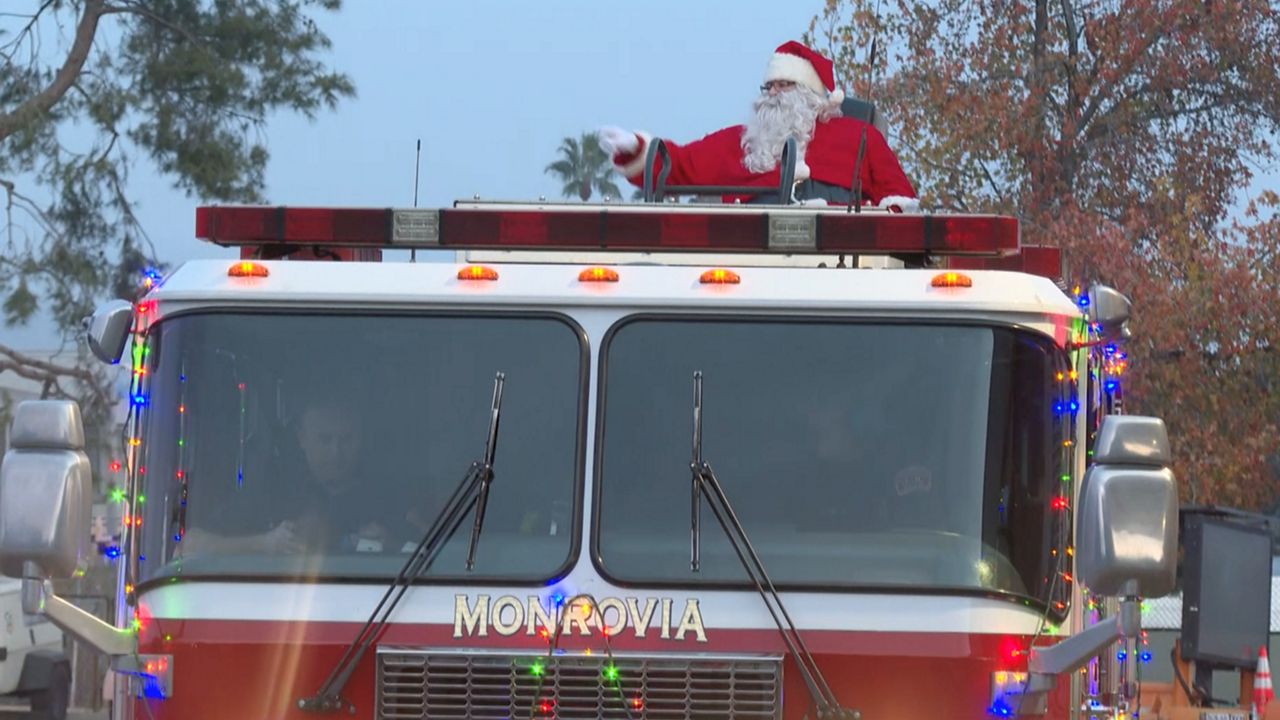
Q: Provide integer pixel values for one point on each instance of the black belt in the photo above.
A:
(808, 190)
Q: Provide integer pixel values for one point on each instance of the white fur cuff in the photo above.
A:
(902, 202)
(636, 165)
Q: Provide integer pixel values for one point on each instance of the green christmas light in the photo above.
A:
(536, 669)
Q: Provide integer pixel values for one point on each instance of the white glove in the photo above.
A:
(615, 140)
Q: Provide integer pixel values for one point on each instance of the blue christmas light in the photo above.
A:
(1000, 709)
(1110, 386)
(1121, 655)
(1146, 657)
(1083, 301)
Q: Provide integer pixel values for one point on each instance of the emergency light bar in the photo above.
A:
(655, 227)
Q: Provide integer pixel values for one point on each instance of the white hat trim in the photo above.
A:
(784, 66)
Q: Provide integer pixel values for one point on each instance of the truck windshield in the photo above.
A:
(856, 454)
(286, 445)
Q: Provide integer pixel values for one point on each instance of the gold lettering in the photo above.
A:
(666, 619)
(505, 627)
(538, 618)
(577, 614)
(691, 620)
(474, 622)
(640, 622)
(611, 627)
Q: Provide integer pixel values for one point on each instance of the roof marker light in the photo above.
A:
(477, 272)
(719, 276)
(951, 280)
(598, 274)
(247, 269)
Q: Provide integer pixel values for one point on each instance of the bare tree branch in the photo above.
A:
(42, 370)
(40, 103)
(17, 39)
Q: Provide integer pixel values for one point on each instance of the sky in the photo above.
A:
(491, 88)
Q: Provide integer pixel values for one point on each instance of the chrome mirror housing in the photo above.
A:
(1109, 309)
(45, 486)
(1128, 532)
(107, 330)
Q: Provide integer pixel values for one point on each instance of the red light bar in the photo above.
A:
(293, 226)
(1033, 259)
(939, 234)
(615, 227)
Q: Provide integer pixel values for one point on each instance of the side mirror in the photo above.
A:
(45, 485)
(1110, 309)
(108, 330)
(1128, 528)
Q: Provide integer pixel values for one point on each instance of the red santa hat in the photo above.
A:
(797, 63)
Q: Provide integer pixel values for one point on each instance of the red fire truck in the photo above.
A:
(611, 461)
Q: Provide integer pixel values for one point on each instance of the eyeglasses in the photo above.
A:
(777, 85)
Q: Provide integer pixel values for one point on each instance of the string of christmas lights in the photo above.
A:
(609, 674)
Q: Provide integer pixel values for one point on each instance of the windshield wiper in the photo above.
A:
(473, 491)
(706, 484)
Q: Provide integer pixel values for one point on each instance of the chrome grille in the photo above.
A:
(441, 684)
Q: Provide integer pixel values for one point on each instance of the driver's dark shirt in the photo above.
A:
(325, 520)
(330, 520)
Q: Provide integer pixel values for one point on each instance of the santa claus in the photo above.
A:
(798, 99)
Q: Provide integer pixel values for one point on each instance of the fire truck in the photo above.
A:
(611, 460)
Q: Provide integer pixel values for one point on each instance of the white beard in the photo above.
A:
(791, 113)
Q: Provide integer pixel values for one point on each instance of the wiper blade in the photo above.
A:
(706, 484)
(472, 492)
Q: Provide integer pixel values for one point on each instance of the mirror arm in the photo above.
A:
(1074, 652)
(38, 597)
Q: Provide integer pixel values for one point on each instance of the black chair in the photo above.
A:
(863, 110)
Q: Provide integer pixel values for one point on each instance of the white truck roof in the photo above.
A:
(893, 291)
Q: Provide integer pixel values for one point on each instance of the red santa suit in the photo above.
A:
(830, 158)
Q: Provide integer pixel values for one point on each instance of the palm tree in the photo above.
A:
(584, 167)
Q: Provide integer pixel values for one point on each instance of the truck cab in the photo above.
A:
(718, 472)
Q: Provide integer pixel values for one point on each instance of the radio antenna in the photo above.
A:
(871, 54)
(417, 165)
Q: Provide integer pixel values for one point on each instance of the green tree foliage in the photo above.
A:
(583, 168)
(90, 88)
(1122, 132)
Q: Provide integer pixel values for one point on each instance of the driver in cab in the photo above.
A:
(318, 500)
